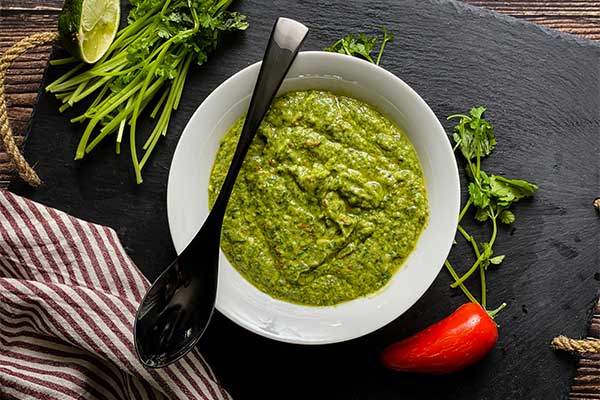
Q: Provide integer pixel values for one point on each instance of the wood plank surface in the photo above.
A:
(19, 18)
(25, 75)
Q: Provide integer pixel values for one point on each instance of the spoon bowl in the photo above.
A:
(177, 308)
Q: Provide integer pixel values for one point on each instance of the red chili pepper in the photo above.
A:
(459, 340)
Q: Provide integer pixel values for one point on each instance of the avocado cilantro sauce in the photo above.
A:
(328, 204)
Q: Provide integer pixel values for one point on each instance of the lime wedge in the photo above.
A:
(88, 27)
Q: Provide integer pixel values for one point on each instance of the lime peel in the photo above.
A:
(87, 28)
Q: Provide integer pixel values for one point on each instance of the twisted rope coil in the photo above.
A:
(576, 345)
(6, 134)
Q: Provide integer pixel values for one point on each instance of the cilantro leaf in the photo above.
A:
(473, 134)
(507, 217)
(497, 260)
(507, 191)
(361, 46)
(481, 215)
(478, 196)
(231, 21)
(486, 254)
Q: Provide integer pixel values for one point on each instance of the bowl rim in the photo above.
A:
(455, 199)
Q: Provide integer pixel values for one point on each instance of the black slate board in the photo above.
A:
(542, 89)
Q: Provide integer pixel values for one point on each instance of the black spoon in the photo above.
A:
(176, 310)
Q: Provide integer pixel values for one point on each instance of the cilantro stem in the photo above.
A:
(161, 126)
(158, 131)
(481, 256)
(63, 61)
(122, 116)
(121, 129)
(100, 83)
(494, 227)
(149, 76)
(386, 38)
(470, 239)
(69, 100)
(63, 107)
(118, 72)
(221, 4)
(194, 16)
(83, 77)
(469, 272)
(51, 87)
(483, 286)
(81, 148)
(165, 7)
(462, 287)
(99, 97)
(131, 30)
(183, 74)
(61, 96)
(80, 152)
(132, 147)
(449, 117)
(120, 137)
(159, 103)
(465, 209)
(464, 233)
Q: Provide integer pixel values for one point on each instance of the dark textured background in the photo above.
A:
(542, 90)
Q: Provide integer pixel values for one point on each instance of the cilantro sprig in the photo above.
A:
(147, 64)
(491, 195)
(362, 45)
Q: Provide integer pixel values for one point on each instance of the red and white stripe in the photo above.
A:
(68, 296)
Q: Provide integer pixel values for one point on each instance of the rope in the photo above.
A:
(576, 345)
(6, 134)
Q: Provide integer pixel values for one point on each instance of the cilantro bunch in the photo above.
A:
(492, 195)
(147, 64)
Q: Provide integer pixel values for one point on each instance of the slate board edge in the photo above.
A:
(464, 7)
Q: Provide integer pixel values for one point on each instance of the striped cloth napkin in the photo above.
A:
(68, 296)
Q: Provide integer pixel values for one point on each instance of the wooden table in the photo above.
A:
(19, 18)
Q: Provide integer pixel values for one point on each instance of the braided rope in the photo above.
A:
(6, 134)
(576, 345)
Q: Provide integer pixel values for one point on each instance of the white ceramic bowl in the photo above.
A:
(187, 199)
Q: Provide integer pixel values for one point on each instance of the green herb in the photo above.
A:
(149, 59)
(362, 45)
(492, 195)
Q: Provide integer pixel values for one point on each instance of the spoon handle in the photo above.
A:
(285, 41)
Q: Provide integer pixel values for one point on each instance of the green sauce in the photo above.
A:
(328, 204)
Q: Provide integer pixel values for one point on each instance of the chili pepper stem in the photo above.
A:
(493, 313)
